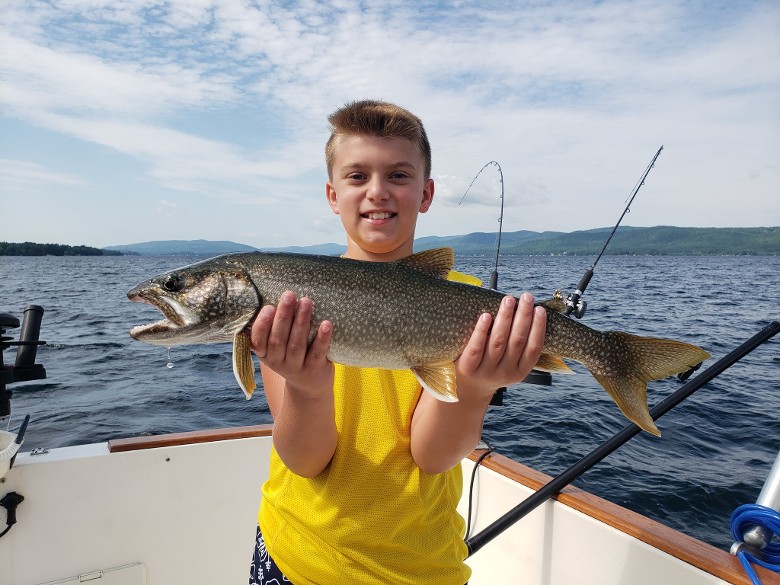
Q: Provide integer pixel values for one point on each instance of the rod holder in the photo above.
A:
(759, 537)
(24, 368)
(29, 336)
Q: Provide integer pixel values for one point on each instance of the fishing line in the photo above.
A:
(488, 450)
(170, 362)
(494, 274)
(573, 302)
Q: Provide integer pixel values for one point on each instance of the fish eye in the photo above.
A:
(173, 283)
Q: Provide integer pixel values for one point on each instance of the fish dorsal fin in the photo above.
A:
(557, 303)
(437, 262)
(243, 366)
(438, 379)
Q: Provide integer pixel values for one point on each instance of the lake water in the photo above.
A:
(716, 448)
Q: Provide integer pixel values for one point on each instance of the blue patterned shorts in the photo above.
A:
(263, 570)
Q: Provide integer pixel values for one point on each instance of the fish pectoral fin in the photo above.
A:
(243, 366)
(630, 394)
(552, 363)
(438, 379)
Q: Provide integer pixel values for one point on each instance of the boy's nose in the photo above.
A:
(377, 189)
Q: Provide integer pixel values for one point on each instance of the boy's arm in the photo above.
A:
(298, 384)
(443, 433)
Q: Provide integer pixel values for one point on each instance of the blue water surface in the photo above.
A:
(714, 454)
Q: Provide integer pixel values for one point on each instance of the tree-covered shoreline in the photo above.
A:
(33, 249)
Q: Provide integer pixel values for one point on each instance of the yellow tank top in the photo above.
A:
(372, 516)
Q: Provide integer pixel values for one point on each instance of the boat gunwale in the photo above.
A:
(682, 546)
(188, 438)
(688, 549)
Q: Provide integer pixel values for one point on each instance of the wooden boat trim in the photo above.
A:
(686, 548)
(188, 438)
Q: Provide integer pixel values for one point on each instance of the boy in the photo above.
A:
(365, 470)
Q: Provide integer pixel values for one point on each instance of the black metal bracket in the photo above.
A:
(24, 369)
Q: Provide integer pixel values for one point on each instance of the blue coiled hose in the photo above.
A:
(743, 519)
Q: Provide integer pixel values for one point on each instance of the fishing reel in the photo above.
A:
(572, 304)
(575, 305)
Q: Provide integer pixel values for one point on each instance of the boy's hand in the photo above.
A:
(442, 433)
(504, 353)
(298, 383)
(280, 338)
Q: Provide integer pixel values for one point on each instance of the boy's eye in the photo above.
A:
(399, 175)
(356, 177)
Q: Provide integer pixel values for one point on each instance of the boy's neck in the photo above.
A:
(355, 252)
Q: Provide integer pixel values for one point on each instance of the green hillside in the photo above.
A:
(660, 240)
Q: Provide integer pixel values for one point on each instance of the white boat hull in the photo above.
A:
(181, 509)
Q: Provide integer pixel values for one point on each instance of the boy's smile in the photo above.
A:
(377, 188)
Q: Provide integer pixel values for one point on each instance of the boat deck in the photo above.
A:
(181, 509)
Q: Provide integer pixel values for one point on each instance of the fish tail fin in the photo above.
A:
(631, 397)
(438, 380)
(640, 360)
(243, 366)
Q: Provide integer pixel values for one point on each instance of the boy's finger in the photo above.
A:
(318, 350)
(280, 329)
(472, 355)
(499, 333)
(261, 327)
(298, 340)
(521, 327)
(535, 343)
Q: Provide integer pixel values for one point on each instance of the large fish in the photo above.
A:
(393, 315)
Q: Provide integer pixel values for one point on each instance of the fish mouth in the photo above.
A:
(174, 317)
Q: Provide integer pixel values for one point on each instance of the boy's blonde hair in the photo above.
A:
(378, 119)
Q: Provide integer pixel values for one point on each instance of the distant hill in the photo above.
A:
(660, 240)
(324, 249)
(181, 248)
(214, 248)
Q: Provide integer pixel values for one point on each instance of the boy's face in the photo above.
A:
(377, 188)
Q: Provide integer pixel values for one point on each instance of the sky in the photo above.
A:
(136, 120)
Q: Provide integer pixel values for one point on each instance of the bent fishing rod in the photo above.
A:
(535, 376)
(554, 487)
(494, 273)
(573, 303)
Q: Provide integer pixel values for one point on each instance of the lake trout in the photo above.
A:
(402, 315)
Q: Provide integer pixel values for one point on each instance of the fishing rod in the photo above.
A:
(494, 274)
(555, 486)
(535, 376)
(573, 302)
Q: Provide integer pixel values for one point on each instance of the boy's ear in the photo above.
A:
(427, 198)
(330, 193)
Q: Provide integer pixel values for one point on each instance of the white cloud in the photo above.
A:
(571, 98)
(23, 176)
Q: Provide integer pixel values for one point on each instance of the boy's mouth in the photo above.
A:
(377, 215)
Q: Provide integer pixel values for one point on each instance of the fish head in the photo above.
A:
(206, 302)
